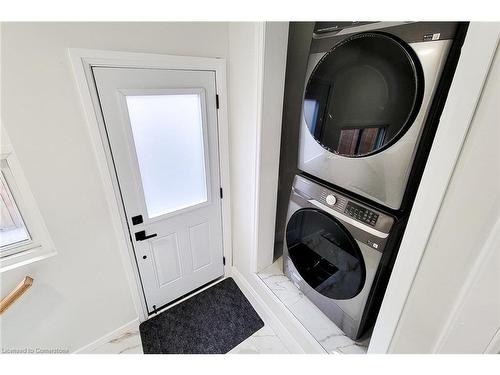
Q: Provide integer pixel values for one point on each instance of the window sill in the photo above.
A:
(24, 258)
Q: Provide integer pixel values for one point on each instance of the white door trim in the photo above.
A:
(477, 55)
(82, 61)
(272, 44)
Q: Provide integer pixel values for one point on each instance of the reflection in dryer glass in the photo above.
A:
(361, 95)
(358, 141)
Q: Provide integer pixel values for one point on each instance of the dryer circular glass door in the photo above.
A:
(325, 254)
(363, 94)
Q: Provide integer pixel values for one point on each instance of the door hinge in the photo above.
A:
(217, 101)
(221, 193)
(223, 261)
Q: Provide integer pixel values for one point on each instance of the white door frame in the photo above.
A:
(82, 61)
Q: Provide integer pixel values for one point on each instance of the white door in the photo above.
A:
(162, 130)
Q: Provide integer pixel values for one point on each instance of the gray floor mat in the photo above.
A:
(211, 322)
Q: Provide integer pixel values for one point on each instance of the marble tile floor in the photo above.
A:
(331, 338)
(264, 341)
(126, 343)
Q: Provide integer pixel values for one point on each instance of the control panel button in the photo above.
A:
(330, 199)
(361, 213)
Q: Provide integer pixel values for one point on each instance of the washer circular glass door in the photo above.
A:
(325, 254)
(363, 94)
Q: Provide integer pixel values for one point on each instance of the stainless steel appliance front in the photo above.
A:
(380, 176)
(332, 250)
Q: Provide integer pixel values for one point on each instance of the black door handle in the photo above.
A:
(141, 235)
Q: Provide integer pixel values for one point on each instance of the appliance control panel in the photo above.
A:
(343, 205)
(361, 213)
(331, 199)
(335, 201)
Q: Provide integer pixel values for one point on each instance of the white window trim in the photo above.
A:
(40, 245)
(13, 192)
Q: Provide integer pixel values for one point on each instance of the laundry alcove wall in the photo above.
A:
(82, 293)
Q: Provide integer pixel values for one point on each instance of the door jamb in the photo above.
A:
(82, 61)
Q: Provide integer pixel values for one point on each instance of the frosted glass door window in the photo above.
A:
(168, 137)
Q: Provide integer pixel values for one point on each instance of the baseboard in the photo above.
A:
(106, 338)
(291, 332)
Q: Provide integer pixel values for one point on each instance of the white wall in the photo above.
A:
(253, 117)
(243, 86)
(82, 293)
(257, 61)
(269, 138)
(454, 302)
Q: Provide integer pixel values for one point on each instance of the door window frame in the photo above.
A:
(83, 60)
(132, 151)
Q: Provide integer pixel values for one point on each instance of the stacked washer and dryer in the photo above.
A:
(369, 89)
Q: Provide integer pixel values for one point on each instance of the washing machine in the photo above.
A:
(332, 249)
(369, 88)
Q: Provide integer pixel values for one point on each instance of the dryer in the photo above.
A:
(369, 88)
(332, 250)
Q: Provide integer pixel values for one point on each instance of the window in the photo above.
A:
(23, 235)
(360, 141)
(13, 230)
(168, 137)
